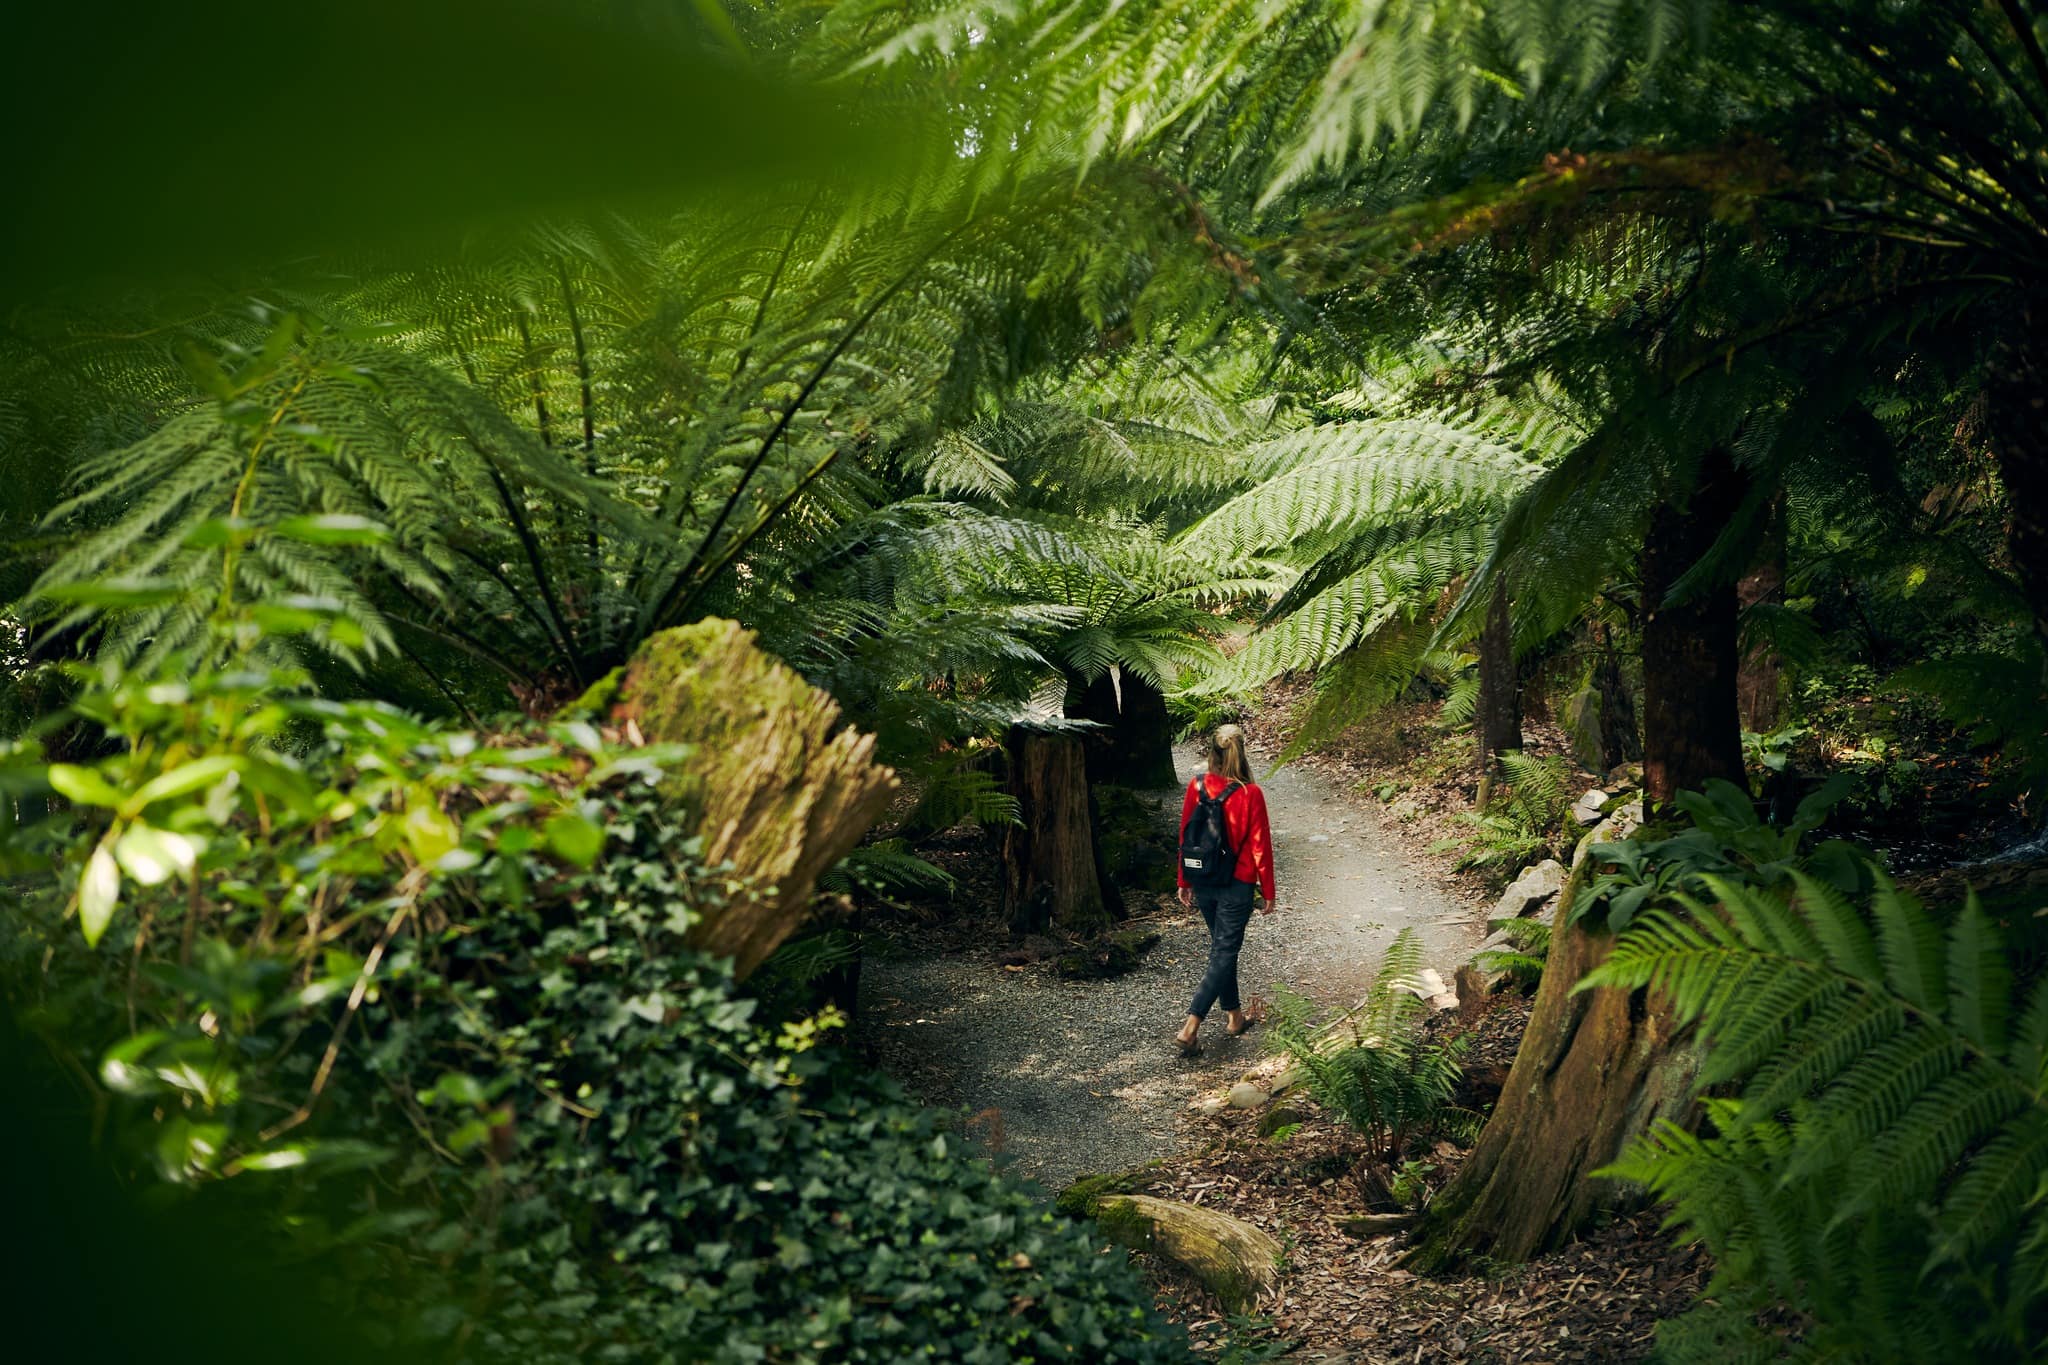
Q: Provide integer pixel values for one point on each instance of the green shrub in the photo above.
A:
(415, 1004)
(1376, 1071)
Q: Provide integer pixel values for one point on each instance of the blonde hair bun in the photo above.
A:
(1227, 754)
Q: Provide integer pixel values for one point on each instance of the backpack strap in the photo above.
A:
(1201, 786)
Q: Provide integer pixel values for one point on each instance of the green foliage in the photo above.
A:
(1528, 947)
(1373, 1069)
(417, 1004)
(1526, 819)
(1881, 1164)
(1727, 839)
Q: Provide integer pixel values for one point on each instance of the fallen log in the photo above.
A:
(1234, 1260)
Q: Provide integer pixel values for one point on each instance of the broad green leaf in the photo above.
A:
(83, 785)
(151, 855)
(576, 838)
(98, 890)
(429, 833)
(332, 528)
(186, 777)
(115, 592)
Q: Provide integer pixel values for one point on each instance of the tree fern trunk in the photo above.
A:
(1051, 874)
(1690, 659)
(1500, 702)
(1135, 747)
(1757, 681)
(1621, 739)
(1595, 1069)
(2017, 404)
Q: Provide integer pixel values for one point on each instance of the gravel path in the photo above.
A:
(1083, 1074)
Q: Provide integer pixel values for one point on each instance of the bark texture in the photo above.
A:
(775, 784)
(1596, 1068)
(1593, 1071)
(1051, 872)
(1759, 679)
(1690, 727)
(1500, 700)
(1234, 1260)
(2017, 411)
(1135, 746)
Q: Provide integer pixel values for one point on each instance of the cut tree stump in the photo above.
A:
(1234, 1260)
(774, 784)
(1052, 876)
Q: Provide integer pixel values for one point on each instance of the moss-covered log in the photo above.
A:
(1052, 874)
(775, 784)
(1234, 1260)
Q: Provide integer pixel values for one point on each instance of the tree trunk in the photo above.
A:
(1500, 702)
(1135, 746)
(774, 784)
(1620, 741)
(2017, 408)
(1690, 728)
(1595, 1069)
(1051, 874)
(1757, 681)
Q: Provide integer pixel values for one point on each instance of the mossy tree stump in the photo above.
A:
(1595, 1070)
(774, 785)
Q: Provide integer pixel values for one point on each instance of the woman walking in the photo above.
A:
(1226, 859)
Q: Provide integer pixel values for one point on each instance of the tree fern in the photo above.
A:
(1891, 1121)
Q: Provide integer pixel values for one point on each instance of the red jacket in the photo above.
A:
(1251, 834)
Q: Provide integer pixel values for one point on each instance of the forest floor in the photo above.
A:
(1074, 1077)
(1067, 1078)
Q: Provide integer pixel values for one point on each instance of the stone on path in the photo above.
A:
(1245, 1095)
(1587, 809)
(1529, 892)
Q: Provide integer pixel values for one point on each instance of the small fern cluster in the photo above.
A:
(1524, 821)
(1375, 1070)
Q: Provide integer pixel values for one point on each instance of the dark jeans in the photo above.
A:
(1226, 910)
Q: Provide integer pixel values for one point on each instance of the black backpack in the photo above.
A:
(1206, 857)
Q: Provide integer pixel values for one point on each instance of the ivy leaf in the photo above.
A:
(98, 890)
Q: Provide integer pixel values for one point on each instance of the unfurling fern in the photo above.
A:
(1883, 1169)
(1373, 1068)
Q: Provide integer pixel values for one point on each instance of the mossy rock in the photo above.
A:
(1111, 955)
